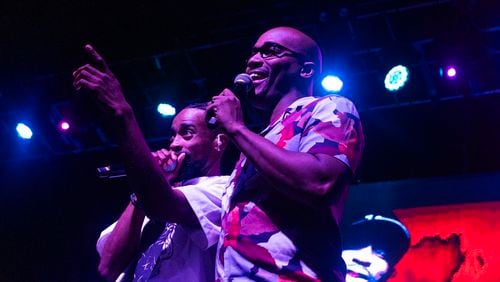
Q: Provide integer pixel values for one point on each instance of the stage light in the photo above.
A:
(64, 125)
(24, 131)
(396, 78)
(451, 72)
(166, 109)
(332, 84)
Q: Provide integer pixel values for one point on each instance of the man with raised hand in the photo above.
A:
(178, 189)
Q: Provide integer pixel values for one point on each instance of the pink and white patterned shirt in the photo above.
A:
(267, 236)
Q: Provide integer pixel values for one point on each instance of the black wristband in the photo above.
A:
(135, 201)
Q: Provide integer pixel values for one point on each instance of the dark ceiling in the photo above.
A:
(180, 52)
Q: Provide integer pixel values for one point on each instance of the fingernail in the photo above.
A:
(88, 47)
(170, 167)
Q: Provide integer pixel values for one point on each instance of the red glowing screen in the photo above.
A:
(455, 243)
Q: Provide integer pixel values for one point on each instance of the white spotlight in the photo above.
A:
(396, 78)
(166, 109)
(24, 131)
(332, 83)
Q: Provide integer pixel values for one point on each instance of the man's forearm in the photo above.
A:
(121, 244)
(146, 178)
(305, 174)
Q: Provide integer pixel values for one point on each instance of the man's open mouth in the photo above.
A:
(258, 76)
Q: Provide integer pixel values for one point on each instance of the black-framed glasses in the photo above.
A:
(274, 50)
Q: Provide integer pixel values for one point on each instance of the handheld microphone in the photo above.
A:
(118, 171)
(110, 172)
(242, 86)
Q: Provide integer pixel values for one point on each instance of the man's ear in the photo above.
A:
(220, 142)
(308, 70)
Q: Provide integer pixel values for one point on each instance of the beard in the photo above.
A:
(191, 169)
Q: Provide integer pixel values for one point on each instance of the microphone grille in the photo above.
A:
(242, 78)
(244, 81)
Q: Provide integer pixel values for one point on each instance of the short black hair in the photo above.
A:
(201, 106)
(204, 106)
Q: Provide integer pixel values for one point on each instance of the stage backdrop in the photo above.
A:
(453, 224)
(451, 243)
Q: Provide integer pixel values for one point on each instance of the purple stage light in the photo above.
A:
(451, 72)
(64, 125)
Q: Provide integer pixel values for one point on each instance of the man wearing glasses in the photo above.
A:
(286, 195)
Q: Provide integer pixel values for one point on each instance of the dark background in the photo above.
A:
(180, 52)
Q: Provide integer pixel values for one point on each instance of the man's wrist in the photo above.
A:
(124, 111)
(135, 201)
(235, 129)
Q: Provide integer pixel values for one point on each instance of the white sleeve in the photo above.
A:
(103, 238)
(205, 200)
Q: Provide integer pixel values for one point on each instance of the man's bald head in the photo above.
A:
(297, 41)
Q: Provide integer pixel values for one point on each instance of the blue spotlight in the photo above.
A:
(24, 131)
(166, 110)
(396, 78)
(332, 83)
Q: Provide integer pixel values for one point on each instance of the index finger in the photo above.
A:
(227, 92)
(180, 160)
(165, 151)
(96, 57)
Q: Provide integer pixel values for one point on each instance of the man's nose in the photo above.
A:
(254, 61)
(175, 146)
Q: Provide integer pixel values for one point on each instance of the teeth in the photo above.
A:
(255, 76)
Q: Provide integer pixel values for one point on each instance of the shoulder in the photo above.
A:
(215, 180)
(207, 185)
(336, 103)
(205, 180)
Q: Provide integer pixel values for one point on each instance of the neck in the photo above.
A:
(283, 103)
(214, 169)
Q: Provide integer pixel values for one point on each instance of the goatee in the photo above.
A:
(190, 169)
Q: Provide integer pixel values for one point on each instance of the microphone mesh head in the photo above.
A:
(243, 78)
(244, 81)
